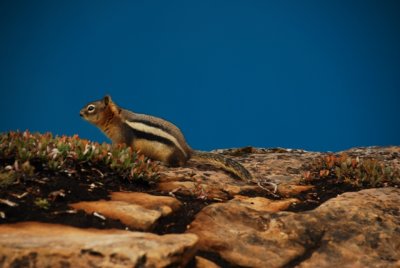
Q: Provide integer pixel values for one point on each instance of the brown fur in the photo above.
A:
(155, 137)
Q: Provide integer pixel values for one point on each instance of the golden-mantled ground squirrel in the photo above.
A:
(154, 137)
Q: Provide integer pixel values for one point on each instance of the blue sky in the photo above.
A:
(315, 75)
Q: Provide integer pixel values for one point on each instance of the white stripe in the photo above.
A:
(157, 132)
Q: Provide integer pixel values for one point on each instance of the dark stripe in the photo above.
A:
(137, 134)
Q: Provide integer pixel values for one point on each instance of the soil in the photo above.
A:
(324, 189)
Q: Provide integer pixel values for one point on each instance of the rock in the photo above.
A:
(176, 186)
(235, 230)
(134, 216)
(362, 229)
(32, 244)
(139, 211)
(203, 184)
(261, 204)
(280, 168)
(359, 229)
(164, 204)
(288, 190)
(204, 263)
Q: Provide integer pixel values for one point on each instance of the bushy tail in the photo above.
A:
(222, 162)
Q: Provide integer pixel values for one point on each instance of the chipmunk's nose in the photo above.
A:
(81, 114)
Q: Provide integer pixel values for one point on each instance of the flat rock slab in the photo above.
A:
(279, 171)
(164, 204)
(202, 184)
(359, 229)
(139, 211)
(134, 216)
(32, 244)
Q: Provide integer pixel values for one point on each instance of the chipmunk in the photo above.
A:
(154, 137)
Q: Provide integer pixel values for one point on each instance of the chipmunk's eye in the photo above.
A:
(91, 108)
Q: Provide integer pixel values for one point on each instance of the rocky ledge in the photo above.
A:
(302, 209)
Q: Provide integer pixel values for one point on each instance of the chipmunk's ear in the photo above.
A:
(107, 99)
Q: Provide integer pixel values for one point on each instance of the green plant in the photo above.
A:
(7, 178)
(360, 173)
(42, 203)
(60, 153)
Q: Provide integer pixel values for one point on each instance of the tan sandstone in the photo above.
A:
(32, 244)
